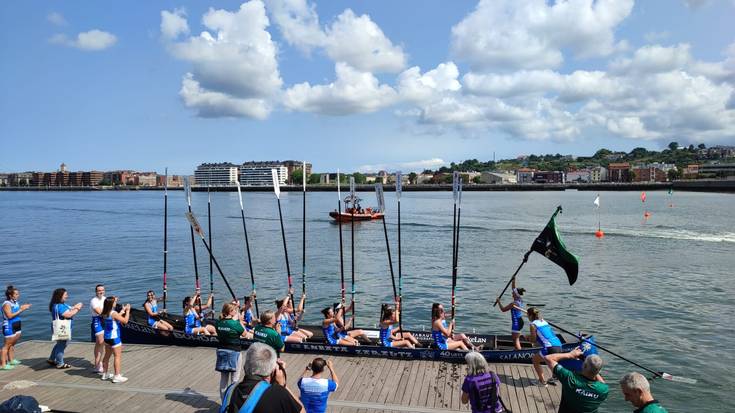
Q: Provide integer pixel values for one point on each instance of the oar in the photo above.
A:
(455, 190)
(381, 207)
(399, 191)
(187, 188)
(198, 229)
(457, 186)
(247, 249)
(665, 376)
(341, 249)
(352, 234)
(303, 234)
(209, 228)
(165, 236)
(277, 191)
(525, 260)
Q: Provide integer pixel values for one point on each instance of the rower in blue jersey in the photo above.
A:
(11, 310)
(286, 320)
(441, 331)
(391, 336)
(516, 314)
(345, 329)
(247, 313)
(113, 316)
(154, 316)
(330, 329)
(192, 318)
(542, 332)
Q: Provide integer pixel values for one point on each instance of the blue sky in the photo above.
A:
(357, 85)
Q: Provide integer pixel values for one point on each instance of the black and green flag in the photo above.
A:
(550, 245)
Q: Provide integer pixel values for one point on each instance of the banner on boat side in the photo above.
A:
(194, 224)
(550, 245)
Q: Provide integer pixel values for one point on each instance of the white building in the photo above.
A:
(598, 174)
(217, 174)
(498, 178)
(259, 174)
(582, 175)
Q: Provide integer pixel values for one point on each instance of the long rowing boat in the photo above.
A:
(496, 348)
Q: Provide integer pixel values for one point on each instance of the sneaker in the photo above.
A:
(552, 381)
(8, 366)
(538, 383)
(15, 362)
(119, 379)
(106, 376)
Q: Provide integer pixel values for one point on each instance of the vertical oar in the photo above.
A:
(352, 247)
(277, 191)
(209, 228)
(198, 229)
(399, 191)
(381, 207)
(303, 232)
(456, 242)
(187, 188)
(247, 250)
(341, 248)
(165, 237)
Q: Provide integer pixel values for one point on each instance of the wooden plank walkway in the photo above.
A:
(183, 379)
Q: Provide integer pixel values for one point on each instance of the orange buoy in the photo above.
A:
(599, 233)
(646, 214)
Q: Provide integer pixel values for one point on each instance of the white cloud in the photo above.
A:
(93, 40)
(409, 166)
(654, 59)
(298, 23)
(413, 86)
(209, 104)
(173, 24)
(56, 18)
(531, 34)
(352, 92)
(234, 62)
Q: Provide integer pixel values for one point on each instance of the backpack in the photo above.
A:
(250, 401)
(485, 397)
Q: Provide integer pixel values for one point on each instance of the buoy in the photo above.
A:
(599, 234)
(646, 214)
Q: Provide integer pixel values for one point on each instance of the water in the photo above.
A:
(658, 291)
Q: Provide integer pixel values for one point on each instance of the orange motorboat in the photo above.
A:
(360, 214)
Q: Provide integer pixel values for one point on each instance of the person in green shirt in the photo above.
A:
(266, 332)
(580, 392)
(229, 330)
(637, 391)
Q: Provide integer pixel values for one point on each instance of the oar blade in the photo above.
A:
(455, 185)
(399, 184)
(303, 176)
(339, 189)
(276, 184)
(187, 191)
(379, 195)
(239, 194)
(679, 379)
(195, 224)
(352, 190)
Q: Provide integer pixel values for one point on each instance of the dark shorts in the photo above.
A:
(550, 350)
(516, 325)
(113, 342)
(11, 329)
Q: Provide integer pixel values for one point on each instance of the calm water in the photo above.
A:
(658, 291)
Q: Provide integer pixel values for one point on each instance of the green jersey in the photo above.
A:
(651, 407)
(228, 333)
(578, 393)
(270, 336)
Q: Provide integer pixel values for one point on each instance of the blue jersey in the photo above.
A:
(9, 323)
(285, 321)
(439, 338)
(154, 307)
(191, 321)
(329, 334)
(248, 319)
(112, 331)
(545, 335)
(518, 301)
(315, 392)
(385, 335)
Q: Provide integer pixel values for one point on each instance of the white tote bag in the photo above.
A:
(61, 328)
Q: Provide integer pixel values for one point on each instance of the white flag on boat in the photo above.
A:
(597, 201)
(276, 186)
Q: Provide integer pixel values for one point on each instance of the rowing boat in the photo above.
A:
(496, 348)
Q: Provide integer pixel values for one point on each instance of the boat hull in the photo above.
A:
(345, 217)
(498, 348)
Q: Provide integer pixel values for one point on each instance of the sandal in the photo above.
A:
(50, 362)
(63, 366)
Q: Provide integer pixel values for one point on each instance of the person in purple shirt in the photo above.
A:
(315, 389)
(481, 387)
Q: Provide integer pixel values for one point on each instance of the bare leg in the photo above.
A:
(294, 339)
(4, 354)
(106, 358)
(538, 367)
(99, 350)
(517, 341)
(118, 359)
(457, 345)
(306, 333)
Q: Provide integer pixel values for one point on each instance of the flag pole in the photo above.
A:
(341, 249)
(277, 191)
(247, 250)
(165, 236)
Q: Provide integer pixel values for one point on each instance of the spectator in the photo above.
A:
(98, 326)
(637, 391)
(315, 389)
(266, 332)
(580, 392)
(11, 310)
(229, 329)
(113, 315)
(60, 310)
(481, 387)
(263, 386)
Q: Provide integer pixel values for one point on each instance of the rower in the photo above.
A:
(247, 313)
(388, 336)
(286, 320)
(441, 332)
(541, 332)
(344, 330)
(516, 313)
(154, 316)
(330, 330)
(192, 318)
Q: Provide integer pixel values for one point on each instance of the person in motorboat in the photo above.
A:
(192, 318)
(345, 329)
(441, 331)
(516, 313)
(541, 332)
(329, 329)
(391, 336)
(154, 316)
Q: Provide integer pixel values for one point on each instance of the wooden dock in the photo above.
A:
(183, 380)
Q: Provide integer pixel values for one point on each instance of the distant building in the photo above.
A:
(690, 172)
(497, 178)
(618, 172)
(4, 179)
(582, 175)
(424, 178)
(717, 170)
(146, 178)
(598, 174)
(328, 178)
(649, 174)
(615, 156)
(217, 174)
(548, 177)
(174, 181)
(21, 179)
(524, 175)
(259, 174)
(292, 166)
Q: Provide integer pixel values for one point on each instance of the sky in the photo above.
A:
(357, 85)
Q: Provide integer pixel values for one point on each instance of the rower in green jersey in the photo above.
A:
(266, 332)
(637, 391)
(581, 392)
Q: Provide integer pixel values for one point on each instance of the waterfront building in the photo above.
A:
(582, 175)
(717, 170)
(648, 173)
(524, 175)
(20, 179)
(598, 174)
(146, 178)
(690, 172)
(4, 179)
(259, 173)
(548, 177)
(217, 174)
(618, 172)
(424, 178)
(292, 166)
(497, 178)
